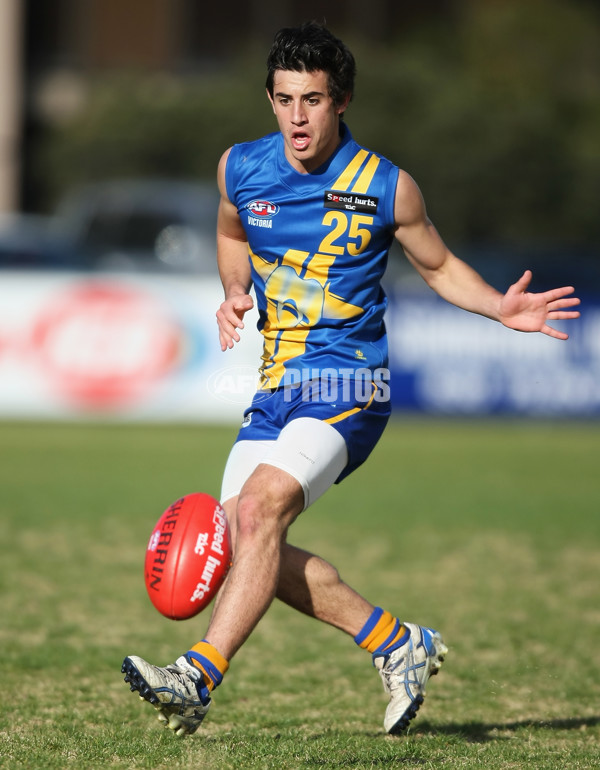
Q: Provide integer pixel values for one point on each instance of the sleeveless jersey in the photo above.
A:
(318, 246)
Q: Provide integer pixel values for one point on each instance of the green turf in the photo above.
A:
(489, 531)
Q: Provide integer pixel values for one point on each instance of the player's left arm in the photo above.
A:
(460, 284)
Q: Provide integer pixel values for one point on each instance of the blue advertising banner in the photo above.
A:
(446, 361)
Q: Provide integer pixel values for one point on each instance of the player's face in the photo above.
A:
(307, 117)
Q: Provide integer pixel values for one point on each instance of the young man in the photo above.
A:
(307, 216)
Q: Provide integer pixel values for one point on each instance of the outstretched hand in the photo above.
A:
(230, 318)
(528, 312)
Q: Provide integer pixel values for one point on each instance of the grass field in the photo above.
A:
(488, 531)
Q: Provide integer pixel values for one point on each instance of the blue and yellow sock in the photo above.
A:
(212, 664)
(381, 633)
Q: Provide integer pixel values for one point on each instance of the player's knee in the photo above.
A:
(262, 514)
(254, 515)
(268, 502)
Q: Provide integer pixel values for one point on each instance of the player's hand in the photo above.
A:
(230, 317)
(528, 312)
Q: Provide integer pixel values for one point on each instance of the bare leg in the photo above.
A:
(311, 585)
(268, 503)
(305, 582)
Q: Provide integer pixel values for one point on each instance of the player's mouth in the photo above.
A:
(300, 140)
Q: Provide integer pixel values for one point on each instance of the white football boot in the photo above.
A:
(405, 672)
(176, 691)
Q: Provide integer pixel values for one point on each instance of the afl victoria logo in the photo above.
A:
(264, 209)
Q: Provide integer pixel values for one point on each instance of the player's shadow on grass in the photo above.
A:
(480, 732)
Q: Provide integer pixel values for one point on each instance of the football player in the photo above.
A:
(307, 217)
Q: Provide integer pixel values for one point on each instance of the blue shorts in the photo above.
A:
(359, 417)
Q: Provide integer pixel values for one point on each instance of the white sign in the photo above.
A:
(134, 347)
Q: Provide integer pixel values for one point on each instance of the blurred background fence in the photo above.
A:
(114, 113)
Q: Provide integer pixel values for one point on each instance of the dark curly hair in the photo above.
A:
(311, 48)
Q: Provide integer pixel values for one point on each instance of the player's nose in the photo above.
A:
(298, 114)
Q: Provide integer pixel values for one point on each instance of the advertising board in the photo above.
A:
(121, 347)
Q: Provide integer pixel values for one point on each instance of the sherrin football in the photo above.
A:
(188, 556)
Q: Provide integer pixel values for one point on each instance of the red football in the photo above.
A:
(188, 556)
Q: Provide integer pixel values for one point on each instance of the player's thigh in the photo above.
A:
(311, 451)
(244, 458)
(269, 494)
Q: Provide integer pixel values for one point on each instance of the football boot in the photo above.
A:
(177, 691)
(405, 671)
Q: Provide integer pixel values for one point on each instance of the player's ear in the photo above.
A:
(271, 100)
(343, 105)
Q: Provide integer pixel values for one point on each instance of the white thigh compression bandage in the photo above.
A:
(310, 450)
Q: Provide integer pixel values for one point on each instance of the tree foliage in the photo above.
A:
(494, 110)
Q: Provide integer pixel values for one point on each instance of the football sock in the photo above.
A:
(212, 664)
(381, 633)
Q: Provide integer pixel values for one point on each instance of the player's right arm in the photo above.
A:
(233, 264)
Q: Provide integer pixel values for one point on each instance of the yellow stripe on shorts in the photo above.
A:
(354, 410)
